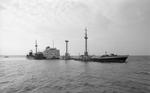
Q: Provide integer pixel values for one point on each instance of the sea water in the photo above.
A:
(21, 75)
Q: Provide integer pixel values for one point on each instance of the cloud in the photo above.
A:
(108, 21)
(133, 11)
(67, 10)
(1, 7)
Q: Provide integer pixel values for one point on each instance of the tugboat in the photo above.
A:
(112, 58)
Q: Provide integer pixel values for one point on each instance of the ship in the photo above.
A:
(110, 58)
(48, 53)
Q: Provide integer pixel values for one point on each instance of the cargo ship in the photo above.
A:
(48, 53)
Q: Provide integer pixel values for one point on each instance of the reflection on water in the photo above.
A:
(19, 75)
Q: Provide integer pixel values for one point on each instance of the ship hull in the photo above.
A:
(38, 56)
(115, 59)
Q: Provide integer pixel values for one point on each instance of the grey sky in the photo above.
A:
(119, 26)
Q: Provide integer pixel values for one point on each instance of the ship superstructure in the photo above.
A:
(51, 53)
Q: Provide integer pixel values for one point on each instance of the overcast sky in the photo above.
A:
(118, 26)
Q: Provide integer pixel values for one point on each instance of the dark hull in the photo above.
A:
(54, 58)
(115, 59)
(37, 57)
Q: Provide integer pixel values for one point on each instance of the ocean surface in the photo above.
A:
(20, 75)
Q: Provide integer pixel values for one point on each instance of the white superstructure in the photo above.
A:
(51, 53)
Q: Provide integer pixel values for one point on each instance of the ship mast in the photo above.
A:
(86, 57)
(86, 37)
